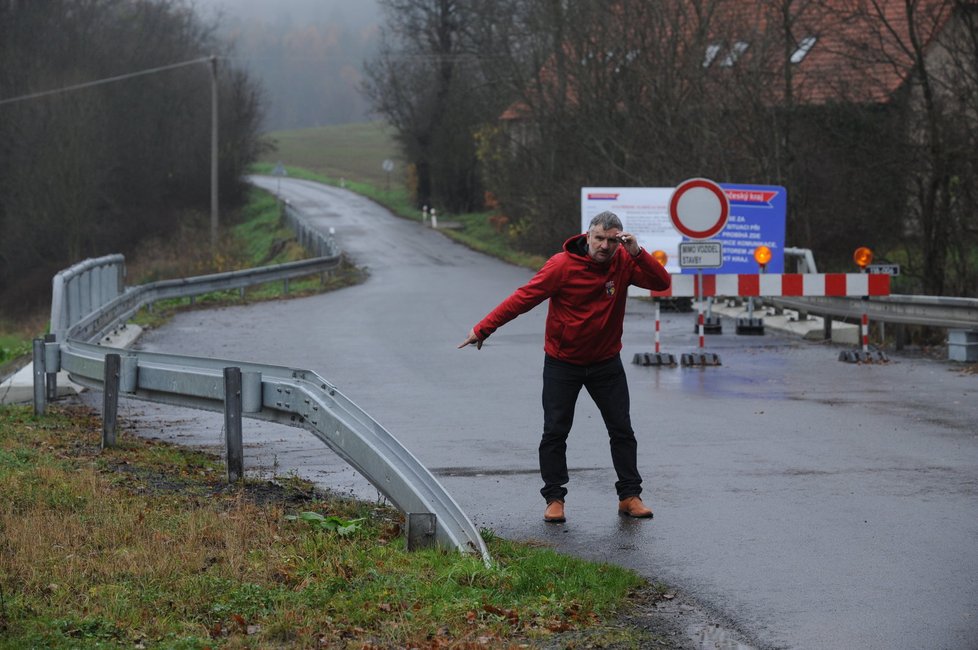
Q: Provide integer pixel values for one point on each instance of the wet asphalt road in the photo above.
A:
(809, 503)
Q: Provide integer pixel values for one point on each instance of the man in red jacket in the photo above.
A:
(587, 284)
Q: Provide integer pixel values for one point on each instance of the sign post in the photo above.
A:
(699, 209)
(388, 166)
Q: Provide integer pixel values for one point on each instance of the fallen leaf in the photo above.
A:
(241, 622)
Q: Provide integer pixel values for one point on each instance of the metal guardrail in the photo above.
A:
(89, 301)
(933, 311)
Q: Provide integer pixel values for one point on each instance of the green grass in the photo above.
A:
(146, 545)
(13, 347)
(355, 152)
(259, 239)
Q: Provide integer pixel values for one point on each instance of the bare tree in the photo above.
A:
(924, 44)
(428, 81)
(95, 169)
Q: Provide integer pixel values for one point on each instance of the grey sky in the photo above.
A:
(353, 12)
(307, 54)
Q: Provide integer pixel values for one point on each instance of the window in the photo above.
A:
(736, 50)
(711, 53)
(804, 46)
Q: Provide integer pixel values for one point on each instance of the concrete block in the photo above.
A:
(962, 345)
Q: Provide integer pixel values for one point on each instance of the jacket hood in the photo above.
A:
(577, 246)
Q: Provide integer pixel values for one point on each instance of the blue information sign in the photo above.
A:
(757, 216)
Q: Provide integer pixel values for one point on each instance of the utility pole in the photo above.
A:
(214, 201)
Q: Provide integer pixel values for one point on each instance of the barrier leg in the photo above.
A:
(657, 358)
(863, 354)
(865, 333)
(750, 324)
(702, 327)
(657, 323)
(699, 358)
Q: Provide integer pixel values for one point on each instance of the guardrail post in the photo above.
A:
(901, 336)
(52, 377)
(110, 398)
(232, 423)
(420, 530)
(39, 402)
(827, 328)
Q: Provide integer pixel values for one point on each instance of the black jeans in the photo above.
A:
(606, 384)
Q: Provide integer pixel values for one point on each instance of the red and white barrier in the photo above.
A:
(865, 333)
(779, 284)
(657, 321)
(702, 328)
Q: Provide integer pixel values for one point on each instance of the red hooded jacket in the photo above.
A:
(587, 301)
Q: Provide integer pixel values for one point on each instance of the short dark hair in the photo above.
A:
(606, 220)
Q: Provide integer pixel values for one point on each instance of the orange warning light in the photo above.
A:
(762, 254)
(660, 257)
(862, 257)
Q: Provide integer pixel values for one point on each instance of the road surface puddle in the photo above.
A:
(714, 637)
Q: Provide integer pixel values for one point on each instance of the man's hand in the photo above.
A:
(472, 338)
(629, 241)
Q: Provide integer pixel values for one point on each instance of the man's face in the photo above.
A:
(601, 243)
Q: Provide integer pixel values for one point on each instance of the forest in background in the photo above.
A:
(87, 171)
(867, 112)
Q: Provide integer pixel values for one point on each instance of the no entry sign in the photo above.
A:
(699, 208)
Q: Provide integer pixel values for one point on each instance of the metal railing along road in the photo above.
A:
(931, 311)
(89, 301)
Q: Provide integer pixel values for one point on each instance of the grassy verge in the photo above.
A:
(258, 239)
(15, 349)
(146, 545)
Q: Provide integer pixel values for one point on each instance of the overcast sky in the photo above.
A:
(307, 54)
(353, 12)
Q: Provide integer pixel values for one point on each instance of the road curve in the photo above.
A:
(811, 503)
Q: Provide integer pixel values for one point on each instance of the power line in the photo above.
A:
(99, 82)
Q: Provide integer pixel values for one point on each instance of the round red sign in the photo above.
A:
(699, 208)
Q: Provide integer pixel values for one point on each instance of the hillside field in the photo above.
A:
(354, 151)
